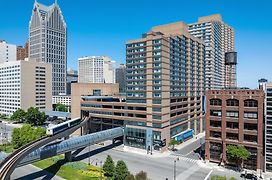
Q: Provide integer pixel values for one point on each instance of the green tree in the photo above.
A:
(18, 115)
(61, 107)
(238, 153)
(173, 142)
(34, 116)
(109, 167)
(121, 171)
(141, 176)
(26, 134)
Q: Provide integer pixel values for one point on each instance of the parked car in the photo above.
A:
(248, 176)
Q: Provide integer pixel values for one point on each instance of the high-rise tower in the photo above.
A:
(219, 39)
(48, 42)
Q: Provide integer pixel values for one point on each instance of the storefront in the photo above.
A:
(184, 136)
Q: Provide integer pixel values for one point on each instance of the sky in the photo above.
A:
(102, 27)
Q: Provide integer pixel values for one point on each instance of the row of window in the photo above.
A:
(234, 102)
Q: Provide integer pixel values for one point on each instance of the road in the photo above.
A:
(157, 168)
(6, 131)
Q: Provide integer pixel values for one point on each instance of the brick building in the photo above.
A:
(235, 116)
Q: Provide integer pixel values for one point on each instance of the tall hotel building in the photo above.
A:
(164, 90)
(219, 39)
(48, 42)
(96, 69)
(25, 84)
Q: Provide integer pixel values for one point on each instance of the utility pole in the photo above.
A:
(175, 169)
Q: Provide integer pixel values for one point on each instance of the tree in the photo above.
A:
(35, 117)
(141, 176)
(61, 107)
(121, 171)
(26, 134)
(18, 115)
(109, 167)
(173, 142)
(238, 153)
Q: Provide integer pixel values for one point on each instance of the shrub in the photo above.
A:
(141, 176)
(218, 178)
(232, 178)
(90, 173)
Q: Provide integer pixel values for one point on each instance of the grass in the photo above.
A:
(8, 148)
(73, 171)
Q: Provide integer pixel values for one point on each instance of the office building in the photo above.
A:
(121, 78)
(72, 77)
(62, 99)
(96, 69)
(219, 39)
(22, 52)
(235, 117)
(7, 52)
(25, 84)
(48, 42)
(164, 90)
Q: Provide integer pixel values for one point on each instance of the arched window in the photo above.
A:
(232, 102)
(250, 103)
(215, 102)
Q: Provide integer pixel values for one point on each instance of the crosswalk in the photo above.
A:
(182, 158)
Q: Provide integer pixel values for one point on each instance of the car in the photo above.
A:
(248, 176)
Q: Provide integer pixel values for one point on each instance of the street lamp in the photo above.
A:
(101, 170)
(175, 162)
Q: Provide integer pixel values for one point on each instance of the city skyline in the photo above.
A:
(251, 29)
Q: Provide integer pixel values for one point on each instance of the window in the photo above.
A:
(251, 115)
(156, 117)
(232, 125)
(250, 138)
(250, 103)
(232, 136)
(232, 102)
(251, 127)
(215, 123)
(233, 114)
(215, 113)
(215, 134)
(215, 102)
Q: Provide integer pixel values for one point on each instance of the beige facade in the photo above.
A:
(219, 39)
(85, 89)
(164, 71)
(25, 84)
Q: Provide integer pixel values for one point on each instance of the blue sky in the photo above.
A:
(101, 27)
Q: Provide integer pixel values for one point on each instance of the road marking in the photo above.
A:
(208, 174)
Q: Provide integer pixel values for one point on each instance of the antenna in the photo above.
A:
(56, 1)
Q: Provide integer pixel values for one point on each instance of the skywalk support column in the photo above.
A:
(68, 155)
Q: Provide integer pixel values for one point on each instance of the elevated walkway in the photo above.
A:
(72, 144)
(8, 165)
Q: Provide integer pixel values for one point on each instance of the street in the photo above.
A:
(6, 131)
(157, 168)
